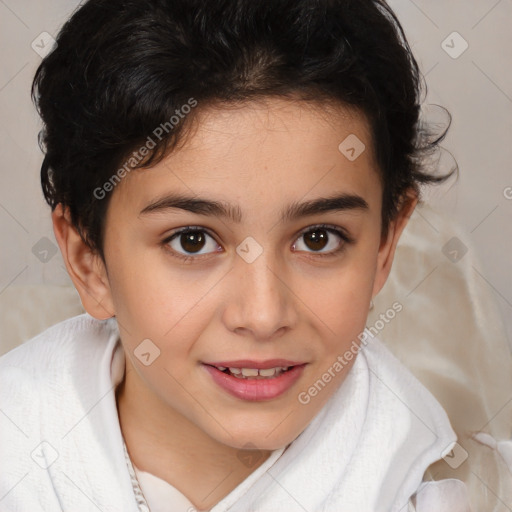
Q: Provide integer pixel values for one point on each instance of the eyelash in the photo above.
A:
(346, 239)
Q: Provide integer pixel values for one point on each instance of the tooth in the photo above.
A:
(221, 368)
(236, 371)
(250, 372)
(269, 372)
(284, 368)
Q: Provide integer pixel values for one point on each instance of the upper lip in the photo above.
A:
(250, 363)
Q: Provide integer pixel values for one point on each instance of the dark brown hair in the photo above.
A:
(122, 68)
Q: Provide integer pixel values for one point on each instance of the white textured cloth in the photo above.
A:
(61, 446)
(450, 335)
(437, 496)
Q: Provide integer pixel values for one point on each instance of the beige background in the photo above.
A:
(476, 87)
(449, 332)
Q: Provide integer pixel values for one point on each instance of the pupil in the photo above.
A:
(192, 242)
(316, 240)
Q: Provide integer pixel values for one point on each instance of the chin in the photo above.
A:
(267, 436)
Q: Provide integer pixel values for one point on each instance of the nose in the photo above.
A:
(261, 303)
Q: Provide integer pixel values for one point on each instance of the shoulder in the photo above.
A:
(54, 363)
(387, 371)
(45, 378)
(47, 386)
(447, 495)
(80, 334)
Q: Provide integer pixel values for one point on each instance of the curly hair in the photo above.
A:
(121, 68)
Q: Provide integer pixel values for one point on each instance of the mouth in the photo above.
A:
(253, 381)
(254, 373)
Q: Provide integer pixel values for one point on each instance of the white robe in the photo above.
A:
(367, 450)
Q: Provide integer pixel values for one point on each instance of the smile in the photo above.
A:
(253, 373)
(255, 383)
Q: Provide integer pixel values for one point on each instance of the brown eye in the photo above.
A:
(192, 242)
(321, 240)
(316, 240)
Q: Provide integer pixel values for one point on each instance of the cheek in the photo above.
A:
(157, 300)
(341, 300)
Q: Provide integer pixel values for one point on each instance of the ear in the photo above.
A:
(85, 267)
(388, 244)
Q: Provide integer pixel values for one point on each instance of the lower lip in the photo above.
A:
(256, 389)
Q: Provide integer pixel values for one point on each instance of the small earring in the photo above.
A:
(371, 304)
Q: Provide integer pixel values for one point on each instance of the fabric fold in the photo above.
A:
(367, 449)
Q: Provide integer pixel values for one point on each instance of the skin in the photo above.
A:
(289, 303)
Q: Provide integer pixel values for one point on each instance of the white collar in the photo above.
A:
(367, 449)
(369, 446)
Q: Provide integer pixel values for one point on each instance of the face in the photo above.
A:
(257, 247)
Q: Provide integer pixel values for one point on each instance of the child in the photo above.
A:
(229, 180)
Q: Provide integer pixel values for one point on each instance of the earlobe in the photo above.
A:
(388, 246)
(85, 266)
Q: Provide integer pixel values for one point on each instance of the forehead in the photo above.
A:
(263, 152)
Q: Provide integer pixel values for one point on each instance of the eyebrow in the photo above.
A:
(296, 210)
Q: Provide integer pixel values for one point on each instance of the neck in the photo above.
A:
(164, 443)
